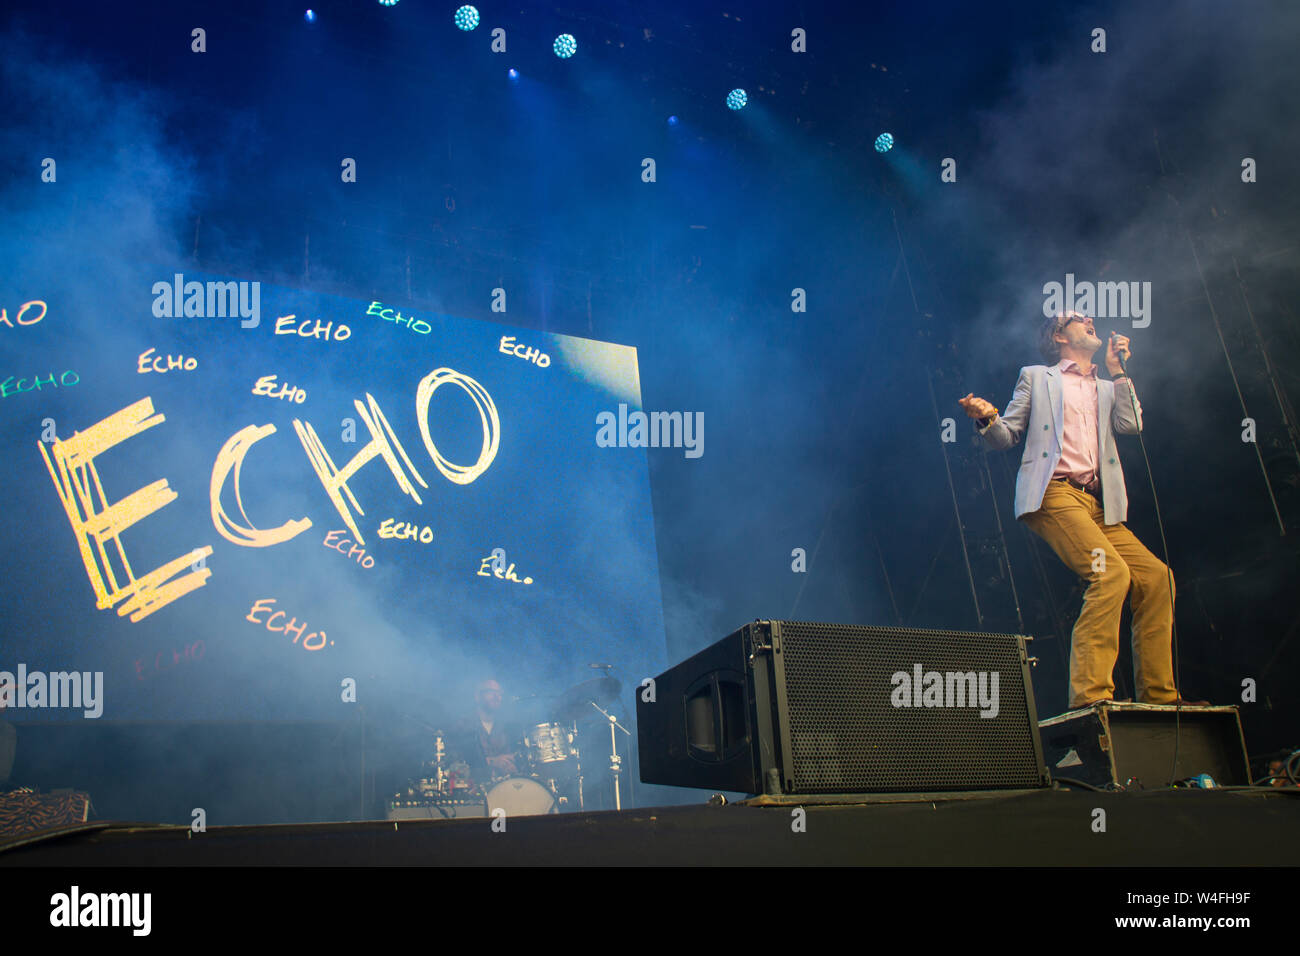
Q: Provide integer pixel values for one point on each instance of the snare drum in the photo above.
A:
(520, 797)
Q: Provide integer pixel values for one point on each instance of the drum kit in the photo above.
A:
(550, 775)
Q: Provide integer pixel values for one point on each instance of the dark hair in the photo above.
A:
(1047, 344)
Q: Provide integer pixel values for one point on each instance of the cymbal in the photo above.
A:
(575, 703)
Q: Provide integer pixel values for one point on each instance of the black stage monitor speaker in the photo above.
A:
(795, 707)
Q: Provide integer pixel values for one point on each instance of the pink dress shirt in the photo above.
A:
(1079, 437)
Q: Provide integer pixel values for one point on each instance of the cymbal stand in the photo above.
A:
(615, 761)
(577, 759)
(439, 755)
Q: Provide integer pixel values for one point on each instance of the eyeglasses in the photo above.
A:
(1061, 327)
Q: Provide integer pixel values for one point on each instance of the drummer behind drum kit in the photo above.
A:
(553, 778)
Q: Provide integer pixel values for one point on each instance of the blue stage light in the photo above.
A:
(310, 16)
(388, 3)
(467, 17)
(565, 46)
(672, 121)
(513, 73)
(884, 142)
(737, 99)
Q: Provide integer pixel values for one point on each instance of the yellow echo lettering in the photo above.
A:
(98, 523)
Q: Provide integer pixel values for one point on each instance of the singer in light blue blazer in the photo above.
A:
(1070, 492)
(1036, 413)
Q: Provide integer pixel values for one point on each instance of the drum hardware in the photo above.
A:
(442, 775)
(558, 789)
(615, 761)
(571, 707)
(439, 755)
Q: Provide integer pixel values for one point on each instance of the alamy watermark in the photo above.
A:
(57, 689)
(655, 430)
(1101, 300)
(923, 688)
(212, 300)
(76, 908)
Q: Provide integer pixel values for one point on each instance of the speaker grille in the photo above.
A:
(847, 736)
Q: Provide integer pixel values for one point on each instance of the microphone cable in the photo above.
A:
(1169, 574)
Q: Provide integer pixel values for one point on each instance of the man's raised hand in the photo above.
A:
(977, 407)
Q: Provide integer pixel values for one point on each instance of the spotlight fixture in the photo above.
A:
(736, 99)
(565, 46)
(466, 17)
(884, 142)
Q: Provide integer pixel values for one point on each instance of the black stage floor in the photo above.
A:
(1048, 828)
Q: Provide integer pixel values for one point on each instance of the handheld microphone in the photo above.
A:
(1122, 354)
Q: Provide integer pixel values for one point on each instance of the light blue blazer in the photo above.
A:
(1035, 413)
